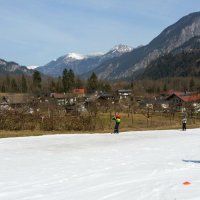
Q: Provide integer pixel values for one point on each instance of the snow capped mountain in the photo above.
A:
(81, 64)
(121, 48)
(117, 51)
(75, 56)
(32, 67)
(2, 62)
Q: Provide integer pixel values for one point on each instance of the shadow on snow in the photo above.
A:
(192, 161)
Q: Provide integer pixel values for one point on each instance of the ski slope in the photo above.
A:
(149, 165)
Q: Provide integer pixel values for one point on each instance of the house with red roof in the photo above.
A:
(181, 100)
(80, 92)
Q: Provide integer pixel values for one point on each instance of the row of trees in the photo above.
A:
(14, 84)
(175, 83)
(68, 81)
(41, 84)
(23, 83)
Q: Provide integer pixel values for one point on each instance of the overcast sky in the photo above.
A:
(33, 32)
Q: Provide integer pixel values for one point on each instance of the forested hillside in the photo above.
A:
(184, 64)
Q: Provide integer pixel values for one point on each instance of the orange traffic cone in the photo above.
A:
(186, 183)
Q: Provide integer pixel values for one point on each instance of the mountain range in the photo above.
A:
(81, 64)
(132, 64)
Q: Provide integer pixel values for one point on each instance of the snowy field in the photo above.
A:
(150, 165)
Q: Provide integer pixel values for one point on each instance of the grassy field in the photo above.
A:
(105, 124)
(141, 122)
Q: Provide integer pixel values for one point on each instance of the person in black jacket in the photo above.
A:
(184, 122)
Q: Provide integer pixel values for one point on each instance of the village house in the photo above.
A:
(10, 101)
(80, 92)
(106, 97)
(98, 99)
(123, 94)
(181, 100)
(64, 99)
(155, 104)
(68, 98)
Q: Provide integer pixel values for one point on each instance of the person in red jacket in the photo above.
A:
(117, 122)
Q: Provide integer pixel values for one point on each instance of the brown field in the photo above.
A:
(103, 123)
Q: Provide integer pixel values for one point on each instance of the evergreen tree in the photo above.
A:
(132, 85)
(71, 79)
(36, 81)
(78, 83)
(104, 86)
(8, 82)
(92, 83)
(52, 86)
(3, 88)
(65, 80)
(107, 87)
(59, 85)
(158, 90)
(192, 84)
(68, 80)
(165, 87)
(14, 87)
(24, 84)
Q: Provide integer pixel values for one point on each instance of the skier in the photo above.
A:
(117, 122)
(184, 121)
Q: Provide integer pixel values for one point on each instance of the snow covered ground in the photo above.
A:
(150, 165)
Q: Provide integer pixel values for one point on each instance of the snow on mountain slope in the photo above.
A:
(151, 165)
(122, 48)
(32, 67)
(76, 56)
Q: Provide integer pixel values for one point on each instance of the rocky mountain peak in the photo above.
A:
(13, 68)
(75, 56)
(121, 48)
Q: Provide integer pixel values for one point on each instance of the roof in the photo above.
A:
(125, 91)
(91, 98)
(79, 91)
(190, 98)
(106, 95)
(62, 95)
(186, 96)
(16, 98)
(170, 92)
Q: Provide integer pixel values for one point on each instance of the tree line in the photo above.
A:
(37, 83)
